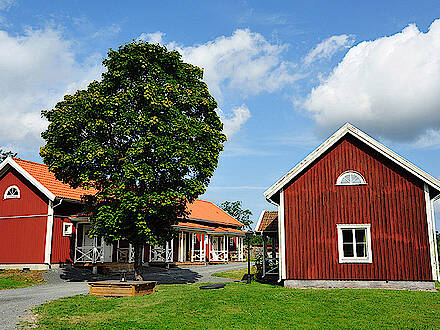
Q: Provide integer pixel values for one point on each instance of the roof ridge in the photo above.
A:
(29, 161)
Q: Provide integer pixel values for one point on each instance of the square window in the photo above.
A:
(354, 243)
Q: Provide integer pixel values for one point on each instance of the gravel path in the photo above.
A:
(15, 302)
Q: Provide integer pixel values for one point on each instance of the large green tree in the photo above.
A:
(146, 136)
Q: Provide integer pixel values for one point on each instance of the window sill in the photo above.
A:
(355, 261)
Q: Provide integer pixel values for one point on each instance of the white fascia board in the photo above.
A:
(10, 162)
(259, 221)
(368, 140)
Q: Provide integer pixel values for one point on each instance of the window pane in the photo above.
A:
(347, 236)
(345, 179)
(348, 250)
(361, 250)
(355, 178)
(360, 235)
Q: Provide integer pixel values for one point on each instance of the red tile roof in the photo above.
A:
(207, 211)
(42, 174)
(212, 230)
(269, 222)
(199, 210)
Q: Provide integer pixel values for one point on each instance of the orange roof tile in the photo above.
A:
(269, 221)
(229, 230)
(193, 225)
(207, 211)
(216, 230)
(199, 209)
(42, 174)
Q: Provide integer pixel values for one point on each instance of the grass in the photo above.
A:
(239, 305)
(235, 274)
(14, 278)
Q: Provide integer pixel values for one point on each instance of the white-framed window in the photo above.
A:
(12, 192)
(67, 229)
(350, 178)
(354, 243)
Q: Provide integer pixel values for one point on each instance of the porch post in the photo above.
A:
(264, 253)
(226, 240)
(192, 246)
(180, 254)
(202, 237)
(76, 241)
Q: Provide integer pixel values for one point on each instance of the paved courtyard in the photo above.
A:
(15, 303)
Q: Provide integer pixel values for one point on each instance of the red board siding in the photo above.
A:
(392, 202)
(63, 247)
(22, 240)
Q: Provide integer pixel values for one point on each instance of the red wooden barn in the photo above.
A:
(41, 226)
(354, 213)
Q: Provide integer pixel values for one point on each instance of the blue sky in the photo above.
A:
(286, 74)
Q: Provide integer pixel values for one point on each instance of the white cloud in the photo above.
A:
(232, 123)
(328, 48)
(6, 4)
(243, 64)
(37, 68)
(389, 86)
(154, 38)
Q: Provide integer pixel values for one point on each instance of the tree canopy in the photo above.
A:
(5, 154)
(146, 136)
(236, 210)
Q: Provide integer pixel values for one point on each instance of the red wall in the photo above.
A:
(392, 202)
(63, 247)
(22, 240)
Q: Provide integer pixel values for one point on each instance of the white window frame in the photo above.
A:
(6, 196)
(342, 259)
(67, 229)
(340, 177)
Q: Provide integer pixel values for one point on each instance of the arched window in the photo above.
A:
(12, 192)
(350, 178)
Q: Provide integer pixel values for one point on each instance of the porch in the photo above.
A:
(189, 247)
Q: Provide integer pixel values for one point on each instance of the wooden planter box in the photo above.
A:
(121, 289)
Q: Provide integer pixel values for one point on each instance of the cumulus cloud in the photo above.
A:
(154, 38)
(244, 61)
(37, 68)
(389, 86)
(328, 48)
(233, 122)
(244, 64)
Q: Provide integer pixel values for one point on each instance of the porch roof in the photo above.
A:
(268, 222)
(209, 229)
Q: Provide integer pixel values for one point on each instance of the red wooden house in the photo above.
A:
(41, 227)
(354, 213)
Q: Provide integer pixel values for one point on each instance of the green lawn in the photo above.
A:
(240, 305)
(235, 274)
(12, 279)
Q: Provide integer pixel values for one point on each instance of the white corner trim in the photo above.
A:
(259, 221)
(49, 233)
(369, 258)
(9, 161)
(434, 231)
(282, 238)
(361, 136)
(431, 233)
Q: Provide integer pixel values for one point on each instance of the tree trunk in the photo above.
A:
(138, 271)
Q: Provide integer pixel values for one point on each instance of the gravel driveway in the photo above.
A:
(15, 302)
